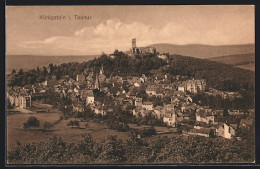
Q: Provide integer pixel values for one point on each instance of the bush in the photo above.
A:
(73, 123)
(31, 122)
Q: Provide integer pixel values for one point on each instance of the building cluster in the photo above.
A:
(162, 95)
(19, 97)
(224, 94)
(192, 86)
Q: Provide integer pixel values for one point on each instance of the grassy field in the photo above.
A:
(99, 131)
(16, 132)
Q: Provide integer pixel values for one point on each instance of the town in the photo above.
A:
(166, 99)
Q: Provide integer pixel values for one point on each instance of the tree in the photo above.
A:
(76, 123)
(46, 125)
(73, 123)
(13, 71)
(86, 145)
(20, 72)
(31, 122)
(225, 113)
(112, 150)
(211, 134)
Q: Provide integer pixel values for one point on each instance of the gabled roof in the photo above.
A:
(247, 122)
(147, 103)
(158, 108)
(234, 126)
(169, 106)
(203, 130)
(203, 113)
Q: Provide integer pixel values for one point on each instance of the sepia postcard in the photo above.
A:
(135, 84)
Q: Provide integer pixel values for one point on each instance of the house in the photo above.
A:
(217, 112)
(146, 112)
(45, 83)
(151, 90)
(24, 101)
(80, 78)
(200, 124)
(136, 84)
(90, 98)
(195, 86)
(182, 116)
(205, 132)
(99, 109)
(147, 105)
(158, 111)
(159, 93)
(170, 118)
(11, 97)
(181, 88)
(225, 131)
(128, 101)
(169, 108)
(188, 107)
(77, 106)
(137, 111)
(175, 101)
(190, 86)
(204, 116)
(246, 123)
(189, 99)
(235, 112)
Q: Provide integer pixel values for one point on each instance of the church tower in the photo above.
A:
(101, 70)
(97, 85)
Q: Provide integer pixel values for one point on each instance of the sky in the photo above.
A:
(107, 28)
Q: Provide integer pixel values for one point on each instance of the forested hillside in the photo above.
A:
(217, 75)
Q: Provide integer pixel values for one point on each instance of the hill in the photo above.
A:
(21, 61)
(244, 61)
(204, 51)
(235, 60)
(218, 75)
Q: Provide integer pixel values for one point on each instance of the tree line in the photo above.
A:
(179, 149)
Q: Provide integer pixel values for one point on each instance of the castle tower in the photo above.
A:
(134, 43)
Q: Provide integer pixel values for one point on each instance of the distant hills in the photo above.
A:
(245, 61)
(27, 62)
(204, 51)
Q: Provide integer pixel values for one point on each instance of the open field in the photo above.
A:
(250, 66)
(16, 133)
